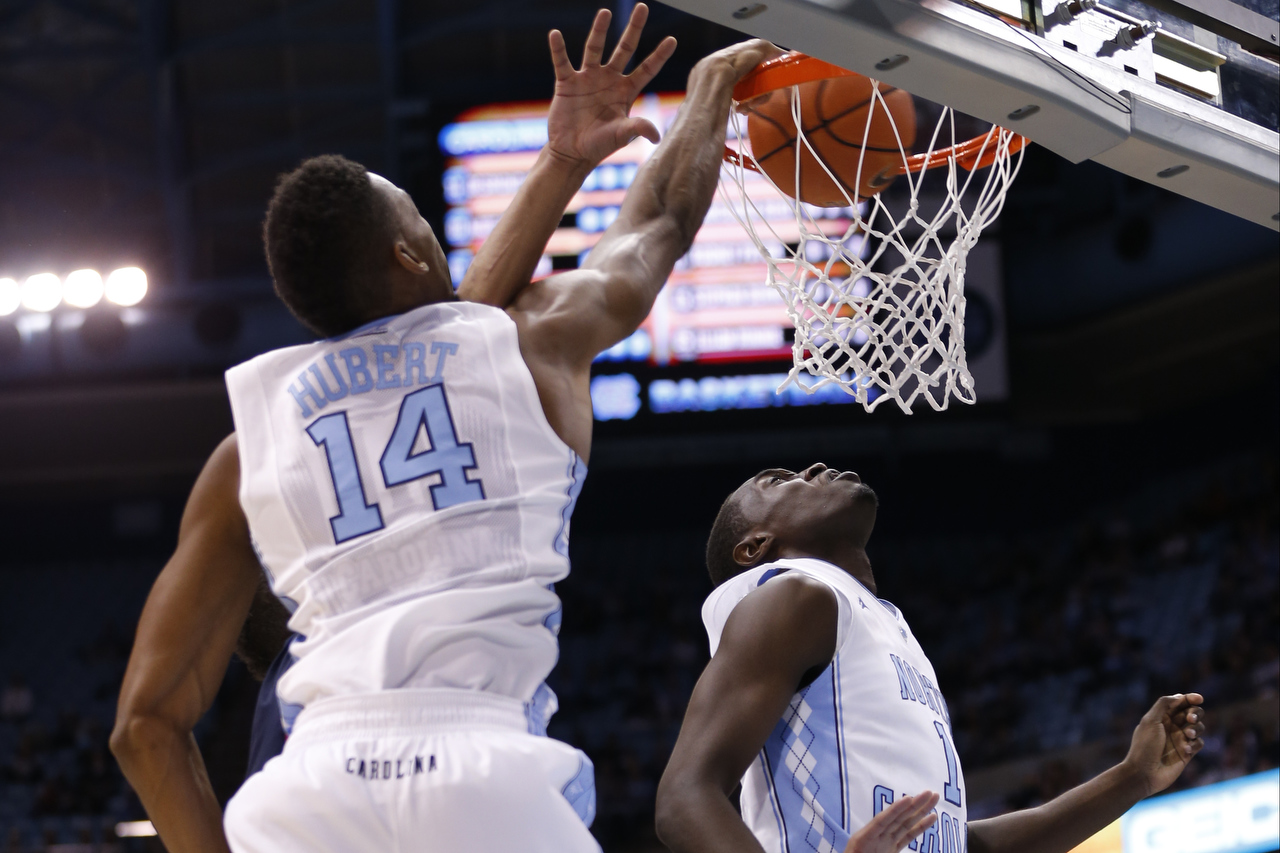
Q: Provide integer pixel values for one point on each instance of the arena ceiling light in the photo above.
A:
(41, 292)
(83, 289)
(10, 296)
(126, 286)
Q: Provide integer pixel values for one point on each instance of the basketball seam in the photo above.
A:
(822, 125)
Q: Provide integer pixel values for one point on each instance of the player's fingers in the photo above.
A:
(1190, 722)
(907, 811)
(923, 803)
(914, 830)
(1167, 706)
(630, 38)
(652, 64)
(559, 55)
(634, 127)
(595, 39)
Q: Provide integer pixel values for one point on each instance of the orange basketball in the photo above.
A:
(834, 114)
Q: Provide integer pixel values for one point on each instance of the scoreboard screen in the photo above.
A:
(717, 338)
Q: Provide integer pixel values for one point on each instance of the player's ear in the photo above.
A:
(409, 259)
(751, 550)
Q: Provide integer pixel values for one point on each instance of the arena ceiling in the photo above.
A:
(152, 130)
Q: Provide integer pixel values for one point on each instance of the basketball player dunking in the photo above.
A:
(407, 484)
(820, 700)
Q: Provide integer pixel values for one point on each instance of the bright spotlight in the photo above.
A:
(10, 296)
(42, 292)
(135, 829)
(127, 286)
(83, 288)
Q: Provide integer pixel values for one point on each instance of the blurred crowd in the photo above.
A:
(60, 789)
(1046, 643)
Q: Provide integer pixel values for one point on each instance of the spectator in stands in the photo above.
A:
(17, 701)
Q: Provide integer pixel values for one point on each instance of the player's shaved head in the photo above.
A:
(818, 512)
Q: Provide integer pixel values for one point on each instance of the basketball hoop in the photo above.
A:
(879, 307)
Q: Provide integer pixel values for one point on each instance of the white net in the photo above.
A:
(876, 291)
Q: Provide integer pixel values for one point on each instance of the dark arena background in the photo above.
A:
(1099, 529)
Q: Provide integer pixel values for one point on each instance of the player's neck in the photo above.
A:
(851, 558)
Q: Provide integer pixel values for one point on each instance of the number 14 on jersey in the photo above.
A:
(425, 409)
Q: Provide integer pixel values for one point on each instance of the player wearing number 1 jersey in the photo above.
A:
(819, 699)
(407, 484)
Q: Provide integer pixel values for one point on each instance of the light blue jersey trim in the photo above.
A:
(577, 474)
(773, 801)
(580, 791)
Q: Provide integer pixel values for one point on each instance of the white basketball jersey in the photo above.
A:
(871, 728)
(411, 505)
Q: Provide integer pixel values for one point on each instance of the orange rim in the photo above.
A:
(794, 68)
(790, 69)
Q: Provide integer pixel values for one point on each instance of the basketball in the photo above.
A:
(835, 114)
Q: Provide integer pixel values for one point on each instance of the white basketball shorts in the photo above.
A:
(437, 771)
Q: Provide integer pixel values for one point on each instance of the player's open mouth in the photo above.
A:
(845, 475)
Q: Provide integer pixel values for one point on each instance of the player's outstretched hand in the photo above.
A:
(1166, 739)
(589, 117)
(895, 827)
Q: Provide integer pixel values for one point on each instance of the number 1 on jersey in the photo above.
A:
(951, 790)
(425, 409)
(356, 516)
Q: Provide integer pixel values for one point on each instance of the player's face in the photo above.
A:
(813, 507)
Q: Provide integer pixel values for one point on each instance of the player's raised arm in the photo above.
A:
(566, 320)
(589, 120)
(662, 212)
(1165, 740)
(775, 636)
(185, 639)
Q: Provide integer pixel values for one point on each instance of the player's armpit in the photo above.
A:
(184, 641)
(774, 637)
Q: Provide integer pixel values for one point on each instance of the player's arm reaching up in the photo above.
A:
(1167, 737)
(566, 320)
(588, 121)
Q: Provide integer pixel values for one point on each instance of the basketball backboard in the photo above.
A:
(1183, 94)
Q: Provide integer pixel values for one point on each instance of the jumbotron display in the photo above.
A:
(715, 308)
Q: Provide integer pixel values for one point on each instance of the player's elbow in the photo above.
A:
(136, 735)
(673, 809)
